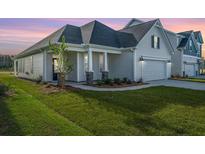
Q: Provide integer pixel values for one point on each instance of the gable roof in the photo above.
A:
(129, 24)
(197, 35)
(140, 30)
(91, 33)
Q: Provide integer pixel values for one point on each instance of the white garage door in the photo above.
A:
(154, 70)
(189, 69)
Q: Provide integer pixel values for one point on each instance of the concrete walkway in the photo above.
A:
(169, 83)
(85, 87)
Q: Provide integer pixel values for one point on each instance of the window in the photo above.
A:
(101, 62)
(155, 42)
(23, 65)
(17, 66)
(32, 64)
(190, 44)
(85, 62)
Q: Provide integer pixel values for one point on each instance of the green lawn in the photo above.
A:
(151, 111)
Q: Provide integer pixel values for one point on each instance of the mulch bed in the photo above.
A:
(117, 85)
(51, 89)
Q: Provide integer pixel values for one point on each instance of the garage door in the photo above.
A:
(189, 69)
(154, 70)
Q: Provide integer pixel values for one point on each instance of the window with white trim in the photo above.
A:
(155, 42)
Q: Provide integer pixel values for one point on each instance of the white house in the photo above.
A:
(140, 51)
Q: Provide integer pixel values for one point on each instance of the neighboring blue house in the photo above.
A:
(186, 60)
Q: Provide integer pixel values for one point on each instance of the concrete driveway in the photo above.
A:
(179, 84)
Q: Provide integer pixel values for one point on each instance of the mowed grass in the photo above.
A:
(151, 111)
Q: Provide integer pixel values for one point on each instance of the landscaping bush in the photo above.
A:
(38, 79)
(129, 82)
(3, 89)
(117, 81)
(140, 80)
(125, 80)
(99, 82)
(108, 81)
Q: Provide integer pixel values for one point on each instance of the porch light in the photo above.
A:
(141, 59)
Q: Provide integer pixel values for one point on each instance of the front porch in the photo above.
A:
(88, 66)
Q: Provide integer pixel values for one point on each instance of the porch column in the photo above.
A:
(134, 65)
(90, 60)
(105, 66)
(89, 73)
(45, 66)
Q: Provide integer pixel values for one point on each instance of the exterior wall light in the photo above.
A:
(141, 59)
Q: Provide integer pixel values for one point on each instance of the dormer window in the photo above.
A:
(155, 42)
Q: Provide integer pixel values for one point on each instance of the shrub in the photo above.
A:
(117, 81)
(125, 80)
(129, 81)
(3, 89)
(99, 82)
(140, 80)
(39, 79)
(108, 81)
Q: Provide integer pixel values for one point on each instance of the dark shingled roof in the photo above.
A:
(91, 33)
(186, 33)
(139, 30)
(100, 34)
(183, 43)
(72, 34)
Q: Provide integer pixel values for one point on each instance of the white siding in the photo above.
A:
(144, 48)
(72, 57)
(29, 70)
(190, 60)
(121, 65)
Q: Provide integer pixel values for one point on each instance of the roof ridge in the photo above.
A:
(140, 24)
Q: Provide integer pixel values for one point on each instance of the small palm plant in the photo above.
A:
(64, 65)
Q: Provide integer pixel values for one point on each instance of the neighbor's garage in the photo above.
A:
(189, 69)
(154, 70)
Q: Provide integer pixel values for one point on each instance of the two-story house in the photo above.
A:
(186, 60)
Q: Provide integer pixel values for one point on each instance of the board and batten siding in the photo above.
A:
(144, 48)
(30, 67)
(121, 65)
(192, 60)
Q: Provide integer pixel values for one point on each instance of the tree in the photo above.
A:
(64, 65)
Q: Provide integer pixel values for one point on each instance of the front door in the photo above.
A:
(55, 65)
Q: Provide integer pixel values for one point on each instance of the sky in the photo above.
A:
(17, 34)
